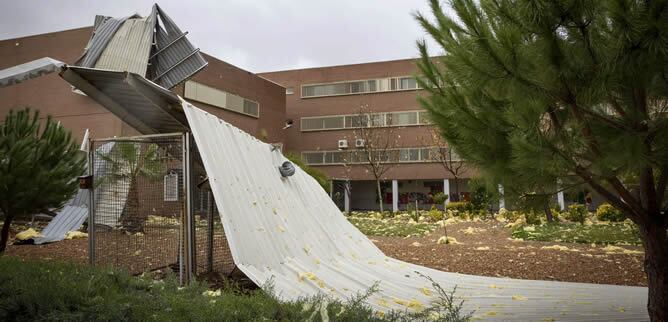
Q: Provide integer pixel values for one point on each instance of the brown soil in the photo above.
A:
(504, 258)
(516, 259)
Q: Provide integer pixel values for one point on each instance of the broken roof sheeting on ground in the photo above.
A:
(153, 47)
(68, 219)
(75, 212)
(33, 69)
(140, 103)
(289, 233)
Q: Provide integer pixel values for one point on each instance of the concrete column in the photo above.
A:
(560, 197)
(502, 201)
(346, 197)
(395, 195)
(446, 190)
(331, 189)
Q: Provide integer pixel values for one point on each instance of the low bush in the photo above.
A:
(532, 218)
(460, 207)
(317, 174)
(482, 196)
(611, 233)
(435, 214)
(606, 212)
(577, 213)
(509, 215)
(439, 198)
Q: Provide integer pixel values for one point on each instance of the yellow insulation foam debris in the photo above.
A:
(28, 234)
(75, 234)
(426, 291)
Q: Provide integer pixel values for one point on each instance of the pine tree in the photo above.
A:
(535, 91)
(38, 167)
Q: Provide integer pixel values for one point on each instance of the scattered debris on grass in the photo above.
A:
(75, 234)
(28, 234)
(447, 240)
(619, 250)
(473, 230)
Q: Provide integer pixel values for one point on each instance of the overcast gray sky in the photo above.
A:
(259, 35)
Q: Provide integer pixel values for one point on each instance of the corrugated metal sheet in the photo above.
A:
(129, 48)
(68, 219)
(126, 44)
(33, 69)
(287, 231)
(110, 195)
(140, 103)
(175, 59)
(99, 40)
(75, 212)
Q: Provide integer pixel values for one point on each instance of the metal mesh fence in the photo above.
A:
(140, 217)
(212, 253)
(139, 202)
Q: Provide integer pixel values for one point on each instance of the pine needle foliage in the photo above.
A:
(39, 164)
(535, 91)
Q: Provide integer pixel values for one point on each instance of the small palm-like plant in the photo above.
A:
(127, 164)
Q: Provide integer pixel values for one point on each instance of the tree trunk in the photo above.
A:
(456, 189)
(4, 237)
(656, 268)
(548, 212)
(380, 197)
(130, 219)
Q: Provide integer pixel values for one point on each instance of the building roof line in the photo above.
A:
(46, 33)
(341, 65)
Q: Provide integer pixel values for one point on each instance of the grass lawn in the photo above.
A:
(37, 290)
(602, 233)
(391, 227)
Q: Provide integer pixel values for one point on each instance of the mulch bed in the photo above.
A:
(504, 258)
(516, 259)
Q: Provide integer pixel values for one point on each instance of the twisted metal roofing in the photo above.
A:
(140, 103)
(159, 52)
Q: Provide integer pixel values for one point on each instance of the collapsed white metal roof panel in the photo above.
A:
(33, 69)
(140, 103)
(288, 231)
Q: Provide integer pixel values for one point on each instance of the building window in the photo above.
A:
(251, 107)
(314, 157)
(402, 118)
(330, 123)
(212, 96)
(171, 186)
(355, 121)
(338, 122)
(423, 117)
(359, 87)
(408, 155)
(289, 90)
(396, 155)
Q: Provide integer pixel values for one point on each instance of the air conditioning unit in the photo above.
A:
(343, 144)
(359, 143)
